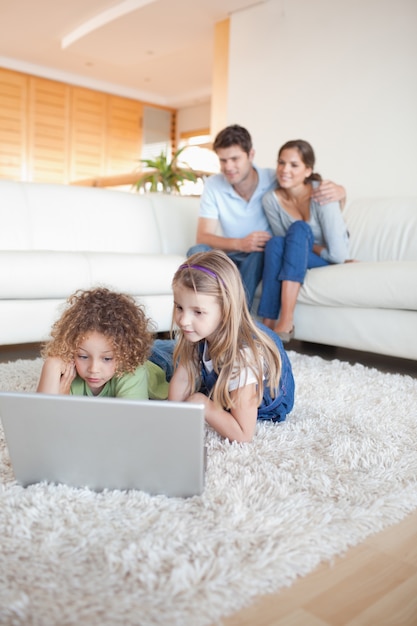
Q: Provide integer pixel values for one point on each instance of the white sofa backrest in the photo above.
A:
(36, 216)
(382, 229)
(177, 222)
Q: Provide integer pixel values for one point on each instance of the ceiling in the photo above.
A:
(160, 51)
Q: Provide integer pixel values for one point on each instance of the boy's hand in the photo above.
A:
(56, 376)
(68, 374)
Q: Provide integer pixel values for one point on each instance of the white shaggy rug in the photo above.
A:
(343, 466)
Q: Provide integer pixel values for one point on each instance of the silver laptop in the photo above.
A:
(105, 443)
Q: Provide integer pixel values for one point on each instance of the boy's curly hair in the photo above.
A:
(115, 315)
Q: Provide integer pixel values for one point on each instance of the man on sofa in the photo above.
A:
(232, 201)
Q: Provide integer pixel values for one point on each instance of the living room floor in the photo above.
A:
(374, 583)
(379, 361)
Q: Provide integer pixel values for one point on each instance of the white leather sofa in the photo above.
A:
(55, 239)
(370, 305)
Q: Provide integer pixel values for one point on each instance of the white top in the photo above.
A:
(243, 377)
(238, 218)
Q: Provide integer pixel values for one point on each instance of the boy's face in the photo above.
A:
(235, 164)
(95, 361)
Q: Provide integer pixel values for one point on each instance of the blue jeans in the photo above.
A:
(162, 355)
(250, 266)
(286, 258)
(278, 408)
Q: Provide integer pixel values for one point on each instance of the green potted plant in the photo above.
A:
(163, 175)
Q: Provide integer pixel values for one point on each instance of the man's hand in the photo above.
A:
(328, 191)
(254, 242)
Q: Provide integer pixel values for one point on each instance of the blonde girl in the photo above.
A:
(238, 369)
(101, 346)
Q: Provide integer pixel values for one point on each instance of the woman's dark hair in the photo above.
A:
(233, 135)
(306, 153)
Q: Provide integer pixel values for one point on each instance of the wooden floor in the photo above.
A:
(374, 584)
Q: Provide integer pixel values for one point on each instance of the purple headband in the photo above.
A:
(200, 268)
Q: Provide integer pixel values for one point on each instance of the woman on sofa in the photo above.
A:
(306, 235)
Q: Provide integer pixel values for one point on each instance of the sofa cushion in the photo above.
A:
(177, 222)
(385, 285)
(382, 229)
(139, 274)
(58, 217)
(42, 274)
(46, 274)
(14, 217)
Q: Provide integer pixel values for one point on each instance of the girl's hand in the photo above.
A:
(239, 424)
(179, 390)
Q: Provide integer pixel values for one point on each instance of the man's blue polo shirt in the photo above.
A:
(237, 217)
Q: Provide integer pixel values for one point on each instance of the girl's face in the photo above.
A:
(291, 169)
(95, 362)
(198, 315)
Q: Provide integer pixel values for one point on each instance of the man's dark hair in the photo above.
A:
(233, 135)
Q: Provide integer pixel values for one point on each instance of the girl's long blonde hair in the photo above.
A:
(214, 273)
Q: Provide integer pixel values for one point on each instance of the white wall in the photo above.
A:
(341, 75)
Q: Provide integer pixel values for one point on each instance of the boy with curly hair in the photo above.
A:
(101, 346)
